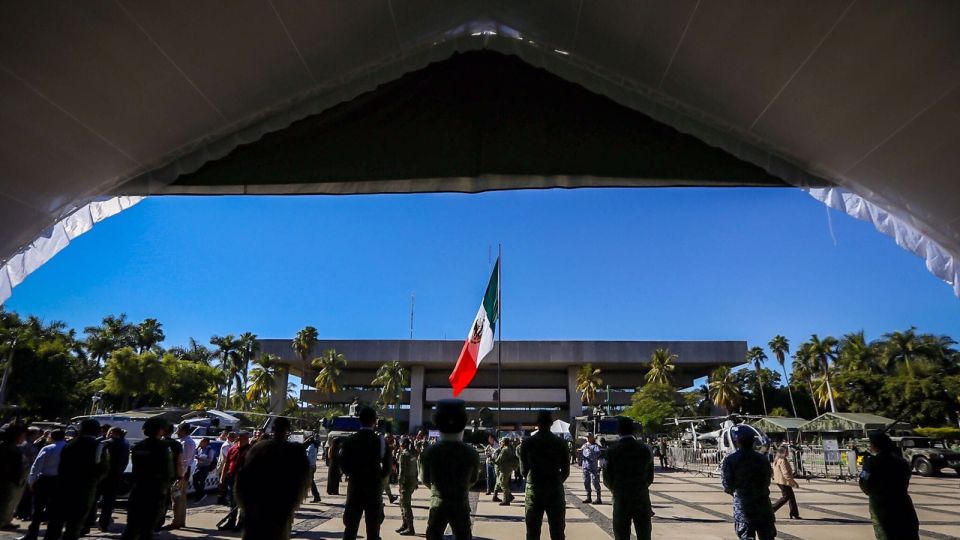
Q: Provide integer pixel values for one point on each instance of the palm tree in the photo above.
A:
(303, 344)
(903, 346)
(855, 354)
(724, 391)
(148, 334)
(757, 356)
(588, 382)
(823, 392)
(803, 369)
(229, 354)
(262, 377)
(780, 347)
(392, 378)
(329, 366)
(661, 367)
(822, 351)
(194, 352)
(249, 347)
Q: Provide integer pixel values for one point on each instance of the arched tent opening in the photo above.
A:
(365, 97)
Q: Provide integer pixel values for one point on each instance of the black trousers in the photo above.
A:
(787, 496)
(43, 491)
(370, 508)
(200, 482)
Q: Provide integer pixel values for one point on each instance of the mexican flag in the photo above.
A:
(479, 341)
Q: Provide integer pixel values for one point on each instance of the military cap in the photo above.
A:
(451, 415)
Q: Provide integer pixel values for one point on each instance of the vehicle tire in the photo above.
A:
(923, 466)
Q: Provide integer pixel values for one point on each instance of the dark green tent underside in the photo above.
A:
(478, 121)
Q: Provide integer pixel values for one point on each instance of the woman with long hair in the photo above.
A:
(783, 478)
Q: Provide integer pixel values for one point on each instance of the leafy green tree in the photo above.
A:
(589, 382)
(189, 384)
(823, 351)
(113, 333)
(134, 377)
(779, 411)
(329, 367)
(757, 356)
(780, 347)
(652, 404)
(661, 367)
(724, 390)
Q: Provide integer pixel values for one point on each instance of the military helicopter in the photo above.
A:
(719, 439)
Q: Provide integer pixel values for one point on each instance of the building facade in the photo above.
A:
(533, 374)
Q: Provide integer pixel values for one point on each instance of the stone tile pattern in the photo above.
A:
(686, 506)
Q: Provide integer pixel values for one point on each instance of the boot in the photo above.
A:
(496, 499)
(409, 532)
(588, 500)
(598, 501)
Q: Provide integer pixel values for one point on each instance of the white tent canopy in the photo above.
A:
(105, 102)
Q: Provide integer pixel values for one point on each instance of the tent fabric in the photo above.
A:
(814, 93)
(56, 238)
(938, 260)
(457, 124)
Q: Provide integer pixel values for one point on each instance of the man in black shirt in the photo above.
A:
(364, 458)
(152, 474)
(82, 464)
(119, 451)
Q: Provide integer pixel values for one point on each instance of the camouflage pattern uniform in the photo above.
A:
(885, 478)
(746, 475)
(628, 475)
(449, 468)
(545, 464)
(507, 462)
(407, 474)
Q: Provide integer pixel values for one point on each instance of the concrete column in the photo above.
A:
(574, 404)
(417, 391)
(278, 394)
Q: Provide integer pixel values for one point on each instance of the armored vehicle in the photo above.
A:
(928, 456)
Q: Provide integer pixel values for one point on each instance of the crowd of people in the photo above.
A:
(263, 478)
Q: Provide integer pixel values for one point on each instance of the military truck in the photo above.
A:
(928, 456)
(604, 429)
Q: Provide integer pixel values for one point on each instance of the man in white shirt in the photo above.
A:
(184, 468)
(229, 439)
(43, 481)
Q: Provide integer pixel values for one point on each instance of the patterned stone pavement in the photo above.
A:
(686, 506)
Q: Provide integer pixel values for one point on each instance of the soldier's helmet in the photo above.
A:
(450, 416)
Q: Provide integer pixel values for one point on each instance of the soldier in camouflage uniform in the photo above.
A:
(507, 462)
(885, 478)
(545, 464)
(628, 475)
(746, 475)
(407, 474)
(449, 468)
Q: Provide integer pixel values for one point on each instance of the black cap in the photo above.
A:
(544, 419)
(451, 415)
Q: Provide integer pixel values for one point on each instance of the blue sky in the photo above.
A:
(696, 264)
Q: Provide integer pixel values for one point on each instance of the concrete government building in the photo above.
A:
(534, 375)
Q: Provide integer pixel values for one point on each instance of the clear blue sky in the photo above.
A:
(696, 264)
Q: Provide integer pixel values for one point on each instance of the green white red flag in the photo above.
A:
(479, 340)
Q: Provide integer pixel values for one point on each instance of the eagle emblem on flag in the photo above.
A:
(477, 331)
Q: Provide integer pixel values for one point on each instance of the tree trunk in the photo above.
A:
(813, 397)
(789, 391)
(763, 397)
(833, 407)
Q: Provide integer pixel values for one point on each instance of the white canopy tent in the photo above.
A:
(105, 102)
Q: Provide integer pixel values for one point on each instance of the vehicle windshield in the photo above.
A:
(345, 423)
(919, 443)
(607, 426)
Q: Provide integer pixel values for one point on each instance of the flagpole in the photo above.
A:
(499, 334)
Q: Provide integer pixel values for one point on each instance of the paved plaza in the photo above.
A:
(686, 506)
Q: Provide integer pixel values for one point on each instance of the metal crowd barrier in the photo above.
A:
(808, 461)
